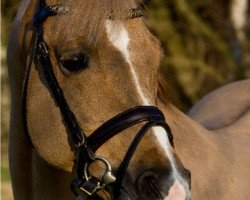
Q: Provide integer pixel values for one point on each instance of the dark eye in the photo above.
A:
(75, 63)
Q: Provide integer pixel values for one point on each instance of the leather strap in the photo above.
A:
(68, 116)
(123, 121)
(128, 156)
(76, 134)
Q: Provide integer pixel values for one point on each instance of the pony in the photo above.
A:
(105, 61)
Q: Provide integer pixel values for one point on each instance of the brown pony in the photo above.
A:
(105, 63)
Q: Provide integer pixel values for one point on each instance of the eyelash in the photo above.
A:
(75, 63)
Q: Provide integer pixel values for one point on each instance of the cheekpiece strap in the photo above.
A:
(76, 134)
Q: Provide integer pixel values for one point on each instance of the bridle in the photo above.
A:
(84, 183)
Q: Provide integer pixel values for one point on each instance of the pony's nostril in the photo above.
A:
(151, 184)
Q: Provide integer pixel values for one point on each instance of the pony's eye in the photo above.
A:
(75, 63)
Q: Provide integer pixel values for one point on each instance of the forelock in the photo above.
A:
(86, 17)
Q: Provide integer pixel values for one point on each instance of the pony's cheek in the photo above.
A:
(176, 192)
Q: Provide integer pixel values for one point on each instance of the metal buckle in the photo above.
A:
(89, 185)
(107, 177)
(92, 184)
(82, 187)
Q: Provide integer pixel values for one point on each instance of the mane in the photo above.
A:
(87, 17)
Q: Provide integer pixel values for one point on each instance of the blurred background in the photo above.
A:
(206, 45)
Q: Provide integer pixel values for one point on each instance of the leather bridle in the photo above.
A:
(84, 183)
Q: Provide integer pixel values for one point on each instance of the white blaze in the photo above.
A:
(177, 191)
(119, 37)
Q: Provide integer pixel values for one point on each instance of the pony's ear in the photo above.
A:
(163, 90)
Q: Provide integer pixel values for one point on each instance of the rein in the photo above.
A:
(84, 183)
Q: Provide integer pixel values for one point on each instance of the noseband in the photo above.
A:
(84, 183)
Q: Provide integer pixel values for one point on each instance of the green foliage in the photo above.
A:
(196, 39)
(8, 12)
(6, 191)
(5, 176)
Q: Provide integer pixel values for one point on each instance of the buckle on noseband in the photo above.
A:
(82, 187)
(89, 185)
(107, 177)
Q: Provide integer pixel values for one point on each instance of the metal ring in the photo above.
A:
(108, 172)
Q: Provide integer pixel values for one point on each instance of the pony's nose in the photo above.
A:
(152, 184)
(159, 185)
